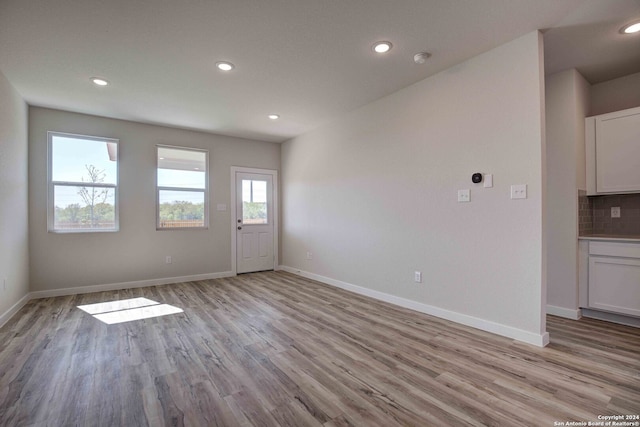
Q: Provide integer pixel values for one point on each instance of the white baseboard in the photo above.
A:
(539, 340)
(127, 285)
(622, 319)
(564, 312)
(4, 317)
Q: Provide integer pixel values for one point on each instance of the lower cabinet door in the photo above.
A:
(614, 284)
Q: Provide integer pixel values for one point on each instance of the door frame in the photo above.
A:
(234, 213)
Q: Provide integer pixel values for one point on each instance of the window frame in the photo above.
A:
(204, 190)
(51, 185)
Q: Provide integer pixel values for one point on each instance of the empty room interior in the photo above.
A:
(320, 213)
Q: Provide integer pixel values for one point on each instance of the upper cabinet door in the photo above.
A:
(617, 151)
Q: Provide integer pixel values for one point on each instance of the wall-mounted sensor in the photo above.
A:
(476, 178)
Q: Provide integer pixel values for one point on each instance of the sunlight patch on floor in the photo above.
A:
(128, 310)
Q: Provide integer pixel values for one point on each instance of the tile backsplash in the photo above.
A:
(601, 221)
(585, 214)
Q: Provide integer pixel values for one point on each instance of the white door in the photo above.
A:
(254, 222)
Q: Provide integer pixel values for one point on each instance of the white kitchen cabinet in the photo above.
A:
(612, 143)
(614, 277)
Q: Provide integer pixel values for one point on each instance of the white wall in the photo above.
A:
(137, 251)
(615, 95)
(567, 104)
(14, 238)
(373, 194)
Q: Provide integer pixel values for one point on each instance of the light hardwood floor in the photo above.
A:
(270, 349)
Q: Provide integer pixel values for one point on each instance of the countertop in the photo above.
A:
(610, 237)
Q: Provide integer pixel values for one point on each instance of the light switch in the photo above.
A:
(488, 180)
(464, 195)
(221, 207)
(519, 191)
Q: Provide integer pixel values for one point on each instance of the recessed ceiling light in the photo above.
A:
(631, 28)
(382, 47)
(274, 116)
(225, 66)
(98, 81)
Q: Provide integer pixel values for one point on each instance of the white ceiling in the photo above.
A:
(307, 60)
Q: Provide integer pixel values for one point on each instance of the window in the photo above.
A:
(182, 188)
(83, 183)
(254, 202)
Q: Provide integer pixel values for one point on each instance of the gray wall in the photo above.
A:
(567, 104)
(137, 251)
(615, 95)
(14, 237)
(373, 195)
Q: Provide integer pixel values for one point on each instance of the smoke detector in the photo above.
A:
(421, 58)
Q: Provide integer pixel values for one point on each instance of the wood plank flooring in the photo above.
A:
(270, 349)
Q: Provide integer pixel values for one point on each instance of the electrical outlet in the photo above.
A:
(167, 259)
(309, 255)
(417, 277)
(615, 212)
